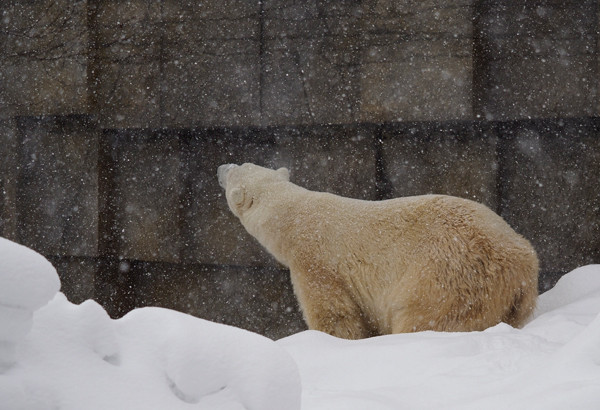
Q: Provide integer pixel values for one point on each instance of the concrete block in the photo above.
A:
(536, 60)
(57, 188)
(226, 10)
(125, 67)
(311, 62)
(456, 159)
(259, 300)
(216, 86)
(143, 192)
(336, 159)
(211, 64)
(417, 89)
(416, 61)
(550, 190)
(77, 277)
(127, 95)
(114, 286)
(43, 58)
(175, 64)
(126, 31)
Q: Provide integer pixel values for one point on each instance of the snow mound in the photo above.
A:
(27, 279)
(212, 364)
(27, 282)
(76, 357)
(580, 285)
(552, 363)
(71, 357)
(152, 358)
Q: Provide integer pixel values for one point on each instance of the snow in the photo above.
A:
(552, 363)
(27, 279)
(57, 355)
(27, 282)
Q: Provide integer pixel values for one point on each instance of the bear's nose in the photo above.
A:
(222, 174)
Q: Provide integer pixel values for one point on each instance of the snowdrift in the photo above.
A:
(552, 363)
(74, 357)
(54, 354)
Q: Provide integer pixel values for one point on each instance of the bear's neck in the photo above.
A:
(277, 220)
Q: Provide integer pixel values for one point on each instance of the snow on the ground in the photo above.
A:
(552, 363)
(27, 282)
(72, 357)
(75, 357)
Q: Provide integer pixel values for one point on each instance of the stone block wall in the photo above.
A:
(114, 116)
(43, 63)
(417, 61)
(537, 59)
(57, 185)
(549, 190)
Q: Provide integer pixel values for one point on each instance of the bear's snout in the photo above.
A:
(222, 174)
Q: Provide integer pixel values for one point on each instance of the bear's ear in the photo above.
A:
(237, 196)
(284, 173)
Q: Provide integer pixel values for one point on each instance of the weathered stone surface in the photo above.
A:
(416, 61)
(115, 286)
(127, 95)
(126, 62)
(537, 59)
(225, 10)
(259, 300)
(77, 277)
(176, 64)
(550, 190)
(426, 88)
(143, 191)
(374, 61)
(335, 159)
(57, 189)
(8, 179)
(43, 62)
(211, 64)
(126, 31)
(217, 86)
(311, 62)
(312, 81)
(456, 159)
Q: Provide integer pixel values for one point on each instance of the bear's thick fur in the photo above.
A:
(365, 268)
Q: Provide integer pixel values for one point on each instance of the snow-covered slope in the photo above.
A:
(74, 357)
(552, 363)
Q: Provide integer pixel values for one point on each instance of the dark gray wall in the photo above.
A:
(114, 116)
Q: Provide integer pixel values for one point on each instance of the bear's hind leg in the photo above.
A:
(346, 325)
(522, 307)
(401, 322)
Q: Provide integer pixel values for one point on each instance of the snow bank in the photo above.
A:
(27, 282)
(27, 279)
(552, 363)
(75, 357)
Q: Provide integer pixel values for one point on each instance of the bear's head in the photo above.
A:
(247, 185)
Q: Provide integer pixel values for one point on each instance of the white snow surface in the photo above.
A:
(27, 282)
(71, 357)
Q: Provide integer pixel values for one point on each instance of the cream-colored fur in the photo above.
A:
(364, 268)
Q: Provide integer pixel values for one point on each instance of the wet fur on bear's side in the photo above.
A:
(365, 268)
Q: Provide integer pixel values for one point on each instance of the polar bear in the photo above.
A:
(365, 268)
